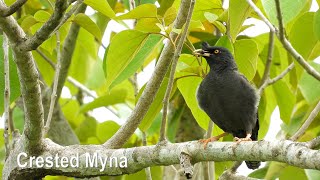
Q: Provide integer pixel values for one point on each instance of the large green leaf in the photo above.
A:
(303, 37)
(127, 52)
(289, 9)
(101, 6)
(86, 129)
(14, 79)
(106, 130)
(312, 174)
(289, 171)
(155, 107)
(316, 24)
(224, 41)
(239, 10)
(309, 86)
(142, 11)
(188, 88)
(246, 56)
(286, 103)
(85, 22)
(115, 97)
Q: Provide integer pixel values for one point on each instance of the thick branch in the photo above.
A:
(29, 80)
(126, 130)
(45, 31)
(138, 158)
(7, 11)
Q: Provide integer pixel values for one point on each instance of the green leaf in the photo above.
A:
(115, 97)
(224, 41)
(165, 5)
(170, 16)
(309, 86)
(106, 130)
(220, 26)
(286, 103)
(85, 22)
(196, 25)
(147, 25)
(96, 77)
(239, 10)
(101, 6)
(312, 174)
(14, 79)
(155, 107)
(246, 56)
(202, 6)
(28, 22)
(188, 88)
(316, 24)
(127, 52)
(70, 109)
(210, 17)
(86, 129)
(42, 16)
(259, 173)
(289, 10)
(142, 11)
(289, 171)
(302, 35)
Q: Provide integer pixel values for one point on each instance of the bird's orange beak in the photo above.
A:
(201, 52)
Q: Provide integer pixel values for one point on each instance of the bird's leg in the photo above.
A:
(247, 138)
(212, 139)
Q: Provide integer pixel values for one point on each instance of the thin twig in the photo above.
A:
(68, 14)
(7, 11)
(147, 169)
(277, 78)
(6, 94)
(279, 17)
(307, 123)
(266, 74)
(172, 73)
(55, 85)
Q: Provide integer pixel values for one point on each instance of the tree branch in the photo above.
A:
(54, 87)
(6, 94)
(29, 81)
(126, 130)
(47, 29)
(138, 158)
(172, 72)
(277, 78)
(7, 11)
(67, 51)
(266, 74)
(307, 123)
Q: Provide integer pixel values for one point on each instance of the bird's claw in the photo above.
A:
(239, 140)
(206, 141)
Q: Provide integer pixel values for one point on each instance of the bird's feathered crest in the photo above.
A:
(205, 46)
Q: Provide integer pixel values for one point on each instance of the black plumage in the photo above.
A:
(228, 98)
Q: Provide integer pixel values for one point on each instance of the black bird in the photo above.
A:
(228, 98)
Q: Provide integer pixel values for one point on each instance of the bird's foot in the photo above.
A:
(239, 140)
(206, 141)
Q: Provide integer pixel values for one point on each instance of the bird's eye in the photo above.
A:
(216, 51)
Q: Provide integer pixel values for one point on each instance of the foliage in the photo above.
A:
(131, 51)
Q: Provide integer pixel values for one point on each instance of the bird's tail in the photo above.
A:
(254, 137)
